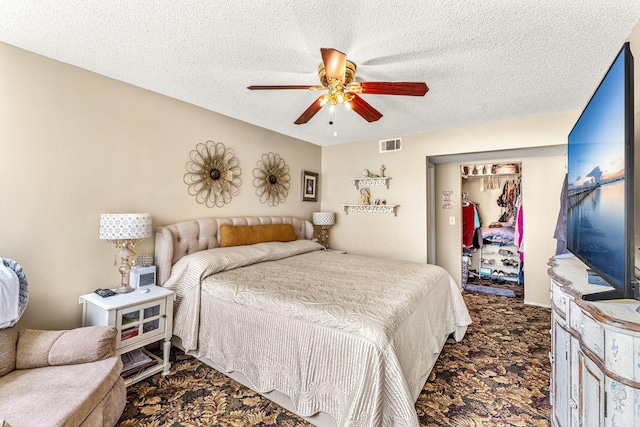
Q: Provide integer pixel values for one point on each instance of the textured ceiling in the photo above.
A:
(483, 60)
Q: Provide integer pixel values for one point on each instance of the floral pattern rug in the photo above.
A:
(498, 375)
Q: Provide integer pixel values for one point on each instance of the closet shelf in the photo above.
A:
(371, 208)
(497, 175)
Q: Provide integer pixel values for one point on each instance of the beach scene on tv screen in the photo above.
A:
(596, 178)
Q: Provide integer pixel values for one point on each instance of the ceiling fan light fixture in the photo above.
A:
(336, 75)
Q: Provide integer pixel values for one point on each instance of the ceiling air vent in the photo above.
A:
(387, 145)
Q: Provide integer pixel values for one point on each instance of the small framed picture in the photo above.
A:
(309, 186)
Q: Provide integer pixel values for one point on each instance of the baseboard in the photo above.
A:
(537, 304)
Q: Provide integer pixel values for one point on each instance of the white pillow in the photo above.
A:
(9, 297)
(12, 294)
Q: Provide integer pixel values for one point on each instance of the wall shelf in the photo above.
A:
(489, 175)
(371, 182)
(371, 208)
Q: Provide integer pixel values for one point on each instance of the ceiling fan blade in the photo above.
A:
(391, 88)
(363, 108)
(275, 87)
(335, 63)
(309, 112)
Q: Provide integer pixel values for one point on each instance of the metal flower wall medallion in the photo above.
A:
(213, 174)
(271, 179)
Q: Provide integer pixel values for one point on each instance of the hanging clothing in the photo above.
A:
(519, 232)
(560, 233)
(509, 199)
(470, 225)
(477, 238)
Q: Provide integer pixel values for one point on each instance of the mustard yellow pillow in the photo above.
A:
(237, 235)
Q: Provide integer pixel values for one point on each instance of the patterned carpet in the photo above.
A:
(498, 375)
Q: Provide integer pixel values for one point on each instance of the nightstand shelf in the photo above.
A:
(140, 318)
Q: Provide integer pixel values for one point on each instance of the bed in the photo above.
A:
(339, 339)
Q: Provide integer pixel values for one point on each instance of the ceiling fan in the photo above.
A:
(336, 75)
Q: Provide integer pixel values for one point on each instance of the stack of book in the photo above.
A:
(129, 333)
(136, 361)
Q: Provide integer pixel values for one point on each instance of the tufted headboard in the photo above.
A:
(183, 238)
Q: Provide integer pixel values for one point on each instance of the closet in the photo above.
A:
(492, 223)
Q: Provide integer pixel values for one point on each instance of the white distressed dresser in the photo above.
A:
(595, 353)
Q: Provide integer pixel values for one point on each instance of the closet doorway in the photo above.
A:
(492, 228)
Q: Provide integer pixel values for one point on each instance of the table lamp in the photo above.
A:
(324, 220)
(125, 230)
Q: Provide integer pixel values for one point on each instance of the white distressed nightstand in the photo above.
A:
(140, 318)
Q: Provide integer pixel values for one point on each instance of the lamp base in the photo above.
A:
(125, 253)
(123, 289)
(323, 238)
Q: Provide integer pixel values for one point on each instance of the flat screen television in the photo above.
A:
(600, 204)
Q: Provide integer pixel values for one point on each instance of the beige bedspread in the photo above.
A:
(355, 337)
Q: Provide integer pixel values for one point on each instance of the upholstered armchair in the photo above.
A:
(54, 378)
(60, 378)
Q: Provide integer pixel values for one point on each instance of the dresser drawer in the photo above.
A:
(622, 354)
(559, 298)
(591, 332)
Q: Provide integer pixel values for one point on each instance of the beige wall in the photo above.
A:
(74, 144)
(375, 233)
(541, 187)
(405, 236)
(448, 236)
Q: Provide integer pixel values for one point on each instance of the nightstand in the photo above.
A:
(140, 318)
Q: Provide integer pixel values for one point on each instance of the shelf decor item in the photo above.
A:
(271, 179)
(125, 230)
(213, 174)
(324, 220)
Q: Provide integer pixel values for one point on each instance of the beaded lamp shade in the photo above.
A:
(323, 218)
(125, 226)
